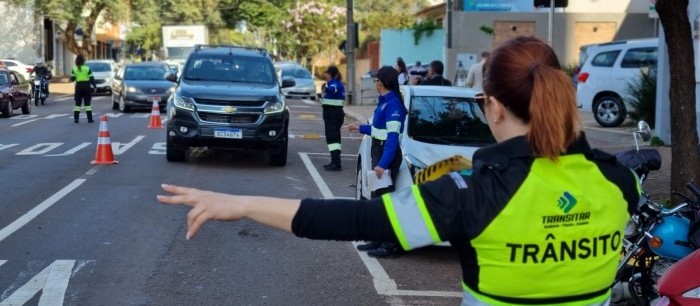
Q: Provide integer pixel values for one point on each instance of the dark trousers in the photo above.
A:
(333, 117)
(83, 96)
(377, 152)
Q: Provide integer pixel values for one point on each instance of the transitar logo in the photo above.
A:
(567, 202)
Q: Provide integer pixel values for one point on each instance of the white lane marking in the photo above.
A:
(311, 102)
(73, 150)
(383, 284)
(140, 116)
(23, 122)
(303, 106)
(40, 148)
(2, 262)
(22, 117)
(54, 116)
(316, 136)
(52, 282)
(34, 212)
(345, 198)
(3, 147)
(322, 186)
(114, 115)
(63, 98)
(158, 148)
(163, 121)
(120, 148)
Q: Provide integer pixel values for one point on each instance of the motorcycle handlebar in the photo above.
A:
(694, 188)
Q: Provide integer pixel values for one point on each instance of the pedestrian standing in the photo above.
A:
(435, 77)
(403, 73)
(460, 75)
(82, 76)
(333, 115)
(475, 77)
(387, 125)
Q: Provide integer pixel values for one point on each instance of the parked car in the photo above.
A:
(103, 71)
(605, 74)
(441, 122)
(228, 98)
(305, 86)
(18, 67)
(14, 93)
(136, 85)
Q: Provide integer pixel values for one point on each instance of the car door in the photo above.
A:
(630, 66)
(18, 93)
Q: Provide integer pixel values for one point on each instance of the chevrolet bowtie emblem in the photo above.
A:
(153, 90)
(228, 109)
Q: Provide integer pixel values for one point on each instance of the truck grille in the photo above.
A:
(231, 103)
(234, 118)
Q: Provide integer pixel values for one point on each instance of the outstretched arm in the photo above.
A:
(208, 205)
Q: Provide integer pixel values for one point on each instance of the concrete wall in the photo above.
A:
(467, 37)
(400, 43)
(17, 32)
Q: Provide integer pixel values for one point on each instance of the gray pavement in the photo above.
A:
(611, 140)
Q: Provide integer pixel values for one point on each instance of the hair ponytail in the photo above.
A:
(554, 117)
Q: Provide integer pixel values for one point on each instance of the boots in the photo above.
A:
(75, 116)
(89, 116)
(335, 162)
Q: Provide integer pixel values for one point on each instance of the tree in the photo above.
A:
(374, 15)
(74, 15)
(685, 165)
(314, 26)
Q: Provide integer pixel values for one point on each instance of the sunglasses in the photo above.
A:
(375, 80)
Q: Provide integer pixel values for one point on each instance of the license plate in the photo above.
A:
(155, 99)
(228, 133)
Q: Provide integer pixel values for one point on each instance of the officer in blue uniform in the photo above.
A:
(387, 125)
(333, 115)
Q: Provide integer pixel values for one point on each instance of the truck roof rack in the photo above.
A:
(199, 47)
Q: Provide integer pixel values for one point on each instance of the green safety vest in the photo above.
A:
(82, 73)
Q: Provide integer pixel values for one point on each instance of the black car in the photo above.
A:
(14, 93)
(137, 85)
(228, 97)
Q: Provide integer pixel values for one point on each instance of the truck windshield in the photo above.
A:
(179, 52)
(448, 120)
(230, 68)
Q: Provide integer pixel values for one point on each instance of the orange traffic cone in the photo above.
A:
(155, 116)
(104, 155)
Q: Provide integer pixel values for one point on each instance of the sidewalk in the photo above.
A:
(62, 86)
(611, 140)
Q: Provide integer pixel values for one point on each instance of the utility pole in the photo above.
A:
(350, 52)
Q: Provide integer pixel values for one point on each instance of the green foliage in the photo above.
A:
(486, 30)
(642, 98)
(657, 142)
(425, 27)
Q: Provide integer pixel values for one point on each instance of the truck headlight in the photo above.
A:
(275, 106)
(183, 102)
(131, 89)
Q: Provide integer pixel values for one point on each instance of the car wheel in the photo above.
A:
(115, 104)
(26, 107)
(173, 154)
(280, 159)
(609, 111)
(358, 183)
(7, 112)
(122, 105)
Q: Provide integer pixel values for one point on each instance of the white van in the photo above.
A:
(606, 73)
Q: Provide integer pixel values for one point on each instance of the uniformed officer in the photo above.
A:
(539, 219)
(333, 115)
(82, 75)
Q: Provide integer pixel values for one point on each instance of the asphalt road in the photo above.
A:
(76, 234)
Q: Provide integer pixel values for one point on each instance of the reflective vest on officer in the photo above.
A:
(334, 94)
(81, 73)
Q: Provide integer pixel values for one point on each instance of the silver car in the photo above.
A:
(305, 87)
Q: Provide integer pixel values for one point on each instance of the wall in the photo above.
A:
(400, 43)
(469, 39)
(17, 34)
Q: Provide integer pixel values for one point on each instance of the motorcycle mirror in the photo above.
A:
(644, 131)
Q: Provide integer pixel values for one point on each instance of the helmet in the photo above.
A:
(39, 62)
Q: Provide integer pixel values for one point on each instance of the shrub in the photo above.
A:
(642, 97)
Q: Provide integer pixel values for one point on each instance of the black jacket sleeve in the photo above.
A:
(343, 220)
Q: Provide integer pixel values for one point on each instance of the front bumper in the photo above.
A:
(103, 85)
(186, 128)
(137, 100)
(299, 92)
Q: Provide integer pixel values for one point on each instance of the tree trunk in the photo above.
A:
(87, 48)
(685, 164)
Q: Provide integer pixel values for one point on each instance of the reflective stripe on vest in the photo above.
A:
(82, 74)
(410, 218)
(333, 102)
(558, 224)
(473, 298)
(393, 127)
(379, 134)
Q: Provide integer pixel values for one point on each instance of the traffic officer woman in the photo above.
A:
(82, 75)
(539, 219)
(333, 115)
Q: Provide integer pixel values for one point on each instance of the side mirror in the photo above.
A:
(644, 131)
(171, 77)
(288, 83)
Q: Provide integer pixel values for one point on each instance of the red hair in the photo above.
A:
(524, 74)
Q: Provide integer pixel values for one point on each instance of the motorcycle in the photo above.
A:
(680, 286)
(38, 91)
(655, 237)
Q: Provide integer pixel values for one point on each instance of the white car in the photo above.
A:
(606, 73)
(103, 71)
(441, 122)
(18, 67)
